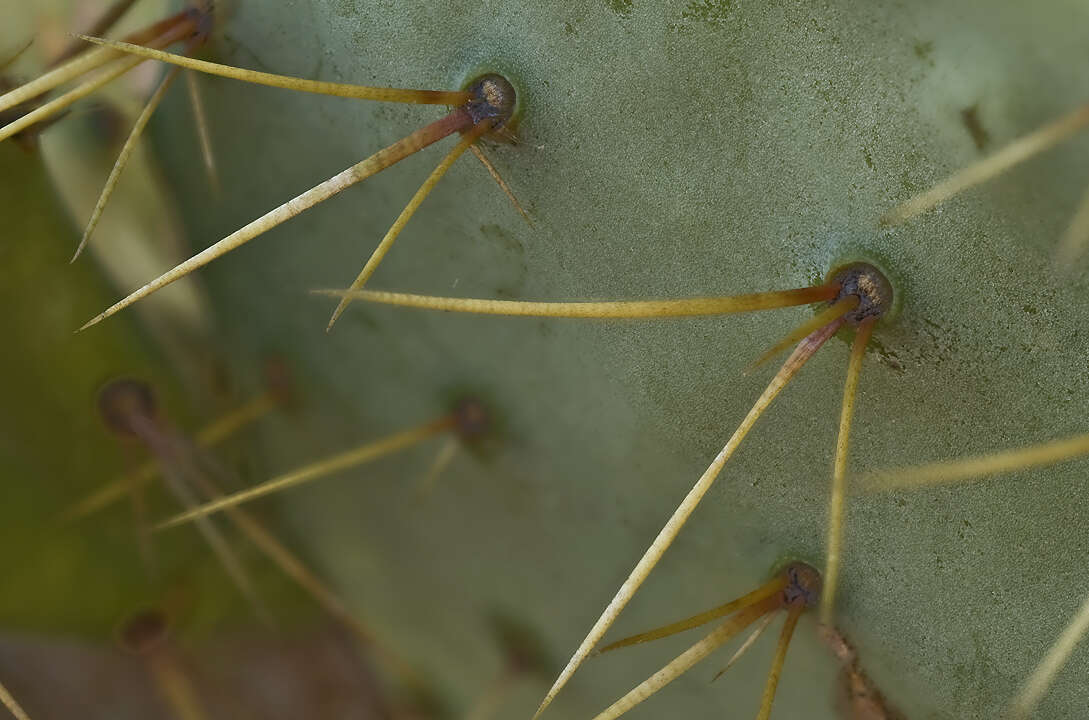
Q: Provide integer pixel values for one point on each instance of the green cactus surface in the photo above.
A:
(665, 149)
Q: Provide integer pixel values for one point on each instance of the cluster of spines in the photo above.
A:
(128, 407)
(487, 106)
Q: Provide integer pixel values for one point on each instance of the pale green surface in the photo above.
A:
(672, 149)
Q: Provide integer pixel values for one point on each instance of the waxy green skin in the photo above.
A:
(670, 149)
(674, 149)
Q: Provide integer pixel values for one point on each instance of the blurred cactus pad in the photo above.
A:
(665, 149)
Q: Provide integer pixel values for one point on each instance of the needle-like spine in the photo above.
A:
(455, 121)
(837, 497)
(351, 458)
(344, 90)
(608, 309)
